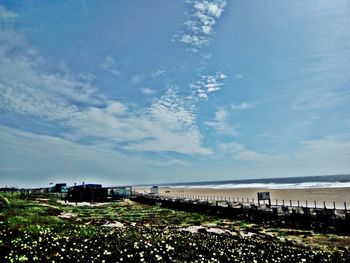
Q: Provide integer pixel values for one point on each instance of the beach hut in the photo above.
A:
(154, 190)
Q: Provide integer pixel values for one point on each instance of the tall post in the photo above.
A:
(324, 204)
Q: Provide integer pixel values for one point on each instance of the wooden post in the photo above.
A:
(324, 204)
(334, 205)
(298, 203)
(283, 202)
(306, 203)
(315, 204)
(345, 206)
(290, 202)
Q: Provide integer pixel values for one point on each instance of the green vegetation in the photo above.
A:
(39, 228)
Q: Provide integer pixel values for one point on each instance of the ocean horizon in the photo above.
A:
(324, 181)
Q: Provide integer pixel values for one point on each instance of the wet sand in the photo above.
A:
(329, 195)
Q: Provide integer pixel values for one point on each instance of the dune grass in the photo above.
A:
(30, 230)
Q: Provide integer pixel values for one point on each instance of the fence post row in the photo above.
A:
(232, 199)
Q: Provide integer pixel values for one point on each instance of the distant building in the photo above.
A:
(97, 193)
(87, 193)
(57, 188)
(119, 192)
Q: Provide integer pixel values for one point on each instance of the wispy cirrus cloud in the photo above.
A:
(222, 123)
(168, 125)
(26, 87)
(147, 91)
(208, 84)
(109, 65)
(40, 159)
(327, 155)
(199, 28)
(312, 99)
(240, 152)
(242, 106)
(158, 73)
(7, 16)
(73, 102)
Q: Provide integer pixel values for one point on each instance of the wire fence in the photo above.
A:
(254, 201)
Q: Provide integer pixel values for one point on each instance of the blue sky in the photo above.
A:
(131, 92)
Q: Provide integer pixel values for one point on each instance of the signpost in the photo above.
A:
(264, 196)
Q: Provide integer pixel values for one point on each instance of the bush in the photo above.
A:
(4, 201)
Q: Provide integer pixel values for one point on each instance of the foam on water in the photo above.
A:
(270, 185)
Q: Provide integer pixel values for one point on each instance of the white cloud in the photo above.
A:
(40, 159)
(167, 125)
(329, 155)
(241, 106)
(168, 162)
(7, 16)
(27, 88)
(222, 124)
(331, 152)
(208, 84)
(147, 91)
(158, 73)
(115, 108)
(110, 66)
(136, 79)
(240, 152)
(199, 27)
(170, 125)
(319, 98)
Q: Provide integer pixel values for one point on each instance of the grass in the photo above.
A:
(30, 230)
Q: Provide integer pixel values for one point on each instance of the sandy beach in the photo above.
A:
(329, 195)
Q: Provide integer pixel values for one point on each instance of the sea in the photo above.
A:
(325, 181)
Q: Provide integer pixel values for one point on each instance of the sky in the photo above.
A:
(154, 91)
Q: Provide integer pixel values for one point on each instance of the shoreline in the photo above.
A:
(320, 195)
